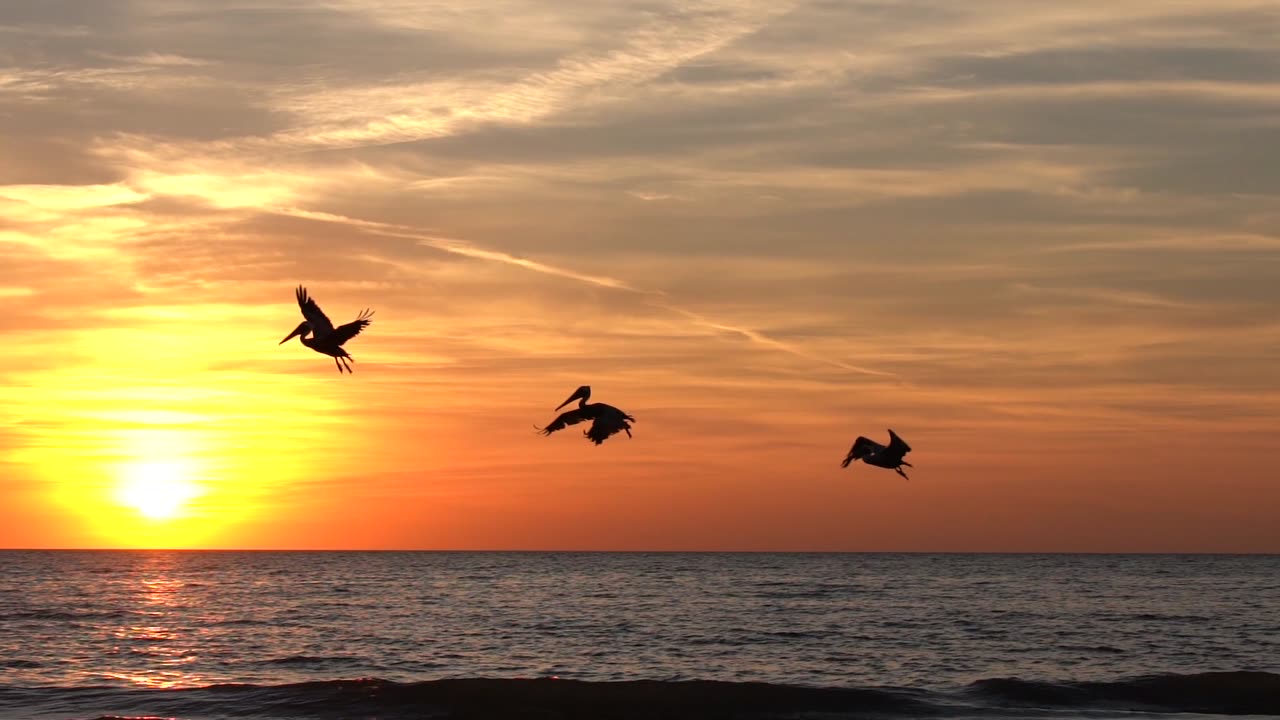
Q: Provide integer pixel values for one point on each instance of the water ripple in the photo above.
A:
(173, 619)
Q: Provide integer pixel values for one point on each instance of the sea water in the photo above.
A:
(197, 635)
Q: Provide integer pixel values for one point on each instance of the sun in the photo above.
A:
(158, 489)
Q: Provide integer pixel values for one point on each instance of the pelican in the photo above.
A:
(873, 453)
(607, 420)
(325, 338)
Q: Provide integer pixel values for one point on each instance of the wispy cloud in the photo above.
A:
(408, 112)
(1207, 242)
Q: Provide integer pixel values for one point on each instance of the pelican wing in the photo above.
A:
(319, 322)
(609, 423)
(897, 445)
(862, 447)
(565, 419)
(344, 333)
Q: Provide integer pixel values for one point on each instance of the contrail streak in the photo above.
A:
(459, 247)
(767, 341)
(465, 249)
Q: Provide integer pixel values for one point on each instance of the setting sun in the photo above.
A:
(157, 489)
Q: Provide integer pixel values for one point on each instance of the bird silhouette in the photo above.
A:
(873, 453)
(317, 333)
(607, 420)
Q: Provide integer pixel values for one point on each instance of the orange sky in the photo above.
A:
(1039, 241)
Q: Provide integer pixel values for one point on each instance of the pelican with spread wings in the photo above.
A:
(324, 337)
(606, 420)
(873, 453)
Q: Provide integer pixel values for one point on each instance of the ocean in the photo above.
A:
(388, 635)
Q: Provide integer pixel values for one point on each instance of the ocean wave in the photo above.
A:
(131, 718)
(312, 660)
(245, 622)
(1217, 693)
(1222, 693)
(53, 614)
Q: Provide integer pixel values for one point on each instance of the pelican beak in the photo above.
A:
(583, 392)
(302, 328)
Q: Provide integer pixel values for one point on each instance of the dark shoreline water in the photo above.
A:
(198, 635)
(1221, 694)
(801, 553)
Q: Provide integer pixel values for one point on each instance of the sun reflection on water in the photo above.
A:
(161, 645)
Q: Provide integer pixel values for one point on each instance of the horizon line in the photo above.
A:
(1260, 553)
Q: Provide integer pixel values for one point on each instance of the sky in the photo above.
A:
(1039, 240)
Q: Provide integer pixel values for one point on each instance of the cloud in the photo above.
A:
(1175, 241)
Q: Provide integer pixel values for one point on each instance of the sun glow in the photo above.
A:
(159, 490)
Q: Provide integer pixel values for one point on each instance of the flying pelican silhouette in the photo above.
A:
(873, 453)
(325, 338)
(607, 420)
